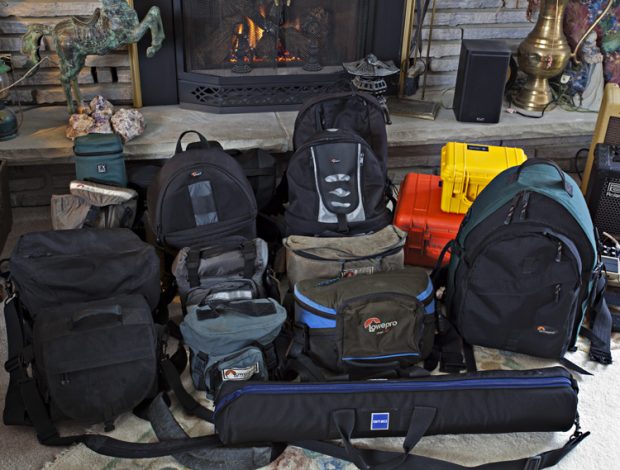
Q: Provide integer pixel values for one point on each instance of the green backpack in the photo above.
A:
(525, 268)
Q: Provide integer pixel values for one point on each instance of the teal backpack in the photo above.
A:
(525, 271)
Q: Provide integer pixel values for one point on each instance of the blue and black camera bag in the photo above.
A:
(365, 325)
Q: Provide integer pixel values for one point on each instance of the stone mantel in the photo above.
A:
(41, 138)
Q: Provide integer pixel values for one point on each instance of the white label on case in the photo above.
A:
(245, 373)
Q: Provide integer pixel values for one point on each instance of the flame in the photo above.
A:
(255, 33)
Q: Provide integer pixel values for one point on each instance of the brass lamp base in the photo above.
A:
(535, 94)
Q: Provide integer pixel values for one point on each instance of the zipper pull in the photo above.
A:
(511, 211)
(558, 255)
(526, 201)
(64, 379)
(558, 289)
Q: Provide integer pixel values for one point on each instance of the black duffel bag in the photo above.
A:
(73, 266)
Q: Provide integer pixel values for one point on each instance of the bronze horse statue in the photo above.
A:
(113, 25)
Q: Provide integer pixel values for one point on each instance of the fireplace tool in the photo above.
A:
(370, 74)
(544, 53)
(418, 108)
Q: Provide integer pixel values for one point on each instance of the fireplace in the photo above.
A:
(259, 55)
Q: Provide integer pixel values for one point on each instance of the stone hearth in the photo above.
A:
(40, 158)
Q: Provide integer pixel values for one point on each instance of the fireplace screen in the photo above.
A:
(260, 37)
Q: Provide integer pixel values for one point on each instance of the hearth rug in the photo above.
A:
(598, 415)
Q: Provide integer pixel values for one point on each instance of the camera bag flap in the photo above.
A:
(74, 266)
(96, 360)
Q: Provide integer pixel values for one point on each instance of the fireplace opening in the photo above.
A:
(254, 55)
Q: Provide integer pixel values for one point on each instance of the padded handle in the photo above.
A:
(366, 365)
(202, 138)
(245, 307)
(421, 419)
(537, 161)
(111, 313)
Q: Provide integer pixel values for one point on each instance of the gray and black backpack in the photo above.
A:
(337, 177)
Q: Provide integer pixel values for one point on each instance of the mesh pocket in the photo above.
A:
(203, 203)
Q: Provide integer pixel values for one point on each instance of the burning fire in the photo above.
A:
(254, 33)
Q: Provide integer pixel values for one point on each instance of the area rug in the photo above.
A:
(599, 408)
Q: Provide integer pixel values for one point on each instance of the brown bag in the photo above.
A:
(313, 257)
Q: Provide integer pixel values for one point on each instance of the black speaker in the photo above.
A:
(603, 193)
(481, 79)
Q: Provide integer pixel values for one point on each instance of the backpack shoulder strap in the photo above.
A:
(599, 333)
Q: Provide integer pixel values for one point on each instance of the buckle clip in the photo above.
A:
(452, 367)
(13, 364)
(533, 463)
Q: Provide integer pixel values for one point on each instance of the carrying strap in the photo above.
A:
(234, 458)
(421, 419)
(343, 224)
(204, 143)
(194, 255)
(600, 322)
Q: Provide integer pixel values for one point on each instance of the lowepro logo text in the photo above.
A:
(546, 330)
(245, 373)
(375, 325)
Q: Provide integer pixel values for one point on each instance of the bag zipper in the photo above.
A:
(535, 229)
(330, 313)
(396, 386)
(160, 204)
(213, 290)
(337, 138)
(388, 252)
(304, 302)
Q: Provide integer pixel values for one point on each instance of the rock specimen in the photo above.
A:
(79, 124)
(128, 123)
(99, 117)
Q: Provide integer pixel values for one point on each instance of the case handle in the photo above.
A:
(538, 161)
(421, 419)
(111, 313)
(203, 140)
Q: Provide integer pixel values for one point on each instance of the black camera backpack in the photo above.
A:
(199, 196)
(337, 177)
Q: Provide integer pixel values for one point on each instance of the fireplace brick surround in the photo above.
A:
(110, 75)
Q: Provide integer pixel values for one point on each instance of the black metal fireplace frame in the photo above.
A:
(242, 94)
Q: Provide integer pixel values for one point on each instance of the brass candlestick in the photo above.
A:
(544, 53)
